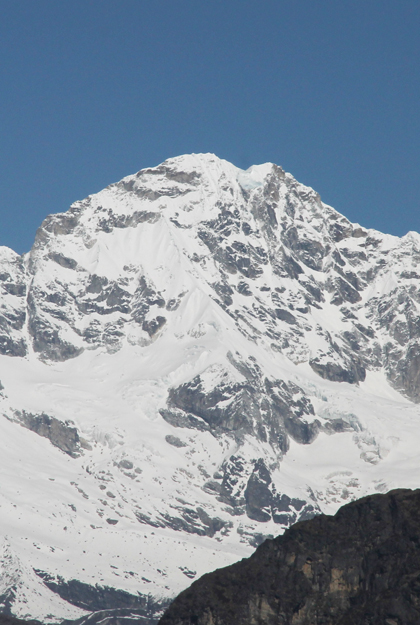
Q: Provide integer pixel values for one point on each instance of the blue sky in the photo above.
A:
(93, 90)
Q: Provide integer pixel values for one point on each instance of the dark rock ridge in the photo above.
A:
(62, 435)
(361, 566)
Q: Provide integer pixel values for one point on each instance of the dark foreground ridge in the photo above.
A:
(359, 567)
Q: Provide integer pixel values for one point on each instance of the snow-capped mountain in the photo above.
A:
(191, 360)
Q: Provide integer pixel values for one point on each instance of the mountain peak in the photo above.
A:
(201, 356)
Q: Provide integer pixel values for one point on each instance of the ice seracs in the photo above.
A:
(190, 360)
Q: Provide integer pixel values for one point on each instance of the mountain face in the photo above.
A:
(360, 566)
(192, 360)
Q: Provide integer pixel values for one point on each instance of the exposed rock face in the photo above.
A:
(108, 605)
(62, 435)
(360, 566)
(13, 286)
(267, 409)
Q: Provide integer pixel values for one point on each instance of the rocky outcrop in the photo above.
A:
(108, 605)
(271, 410)
(13, 286)
(360, 566)
(62, 435)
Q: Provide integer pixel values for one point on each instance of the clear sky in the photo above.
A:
(94, 90)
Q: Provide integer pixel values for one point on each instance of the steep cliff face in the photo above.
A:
(192, 360)
(360, 566)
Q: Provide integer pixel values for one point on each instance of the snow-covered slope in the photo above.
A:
(192, 359)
